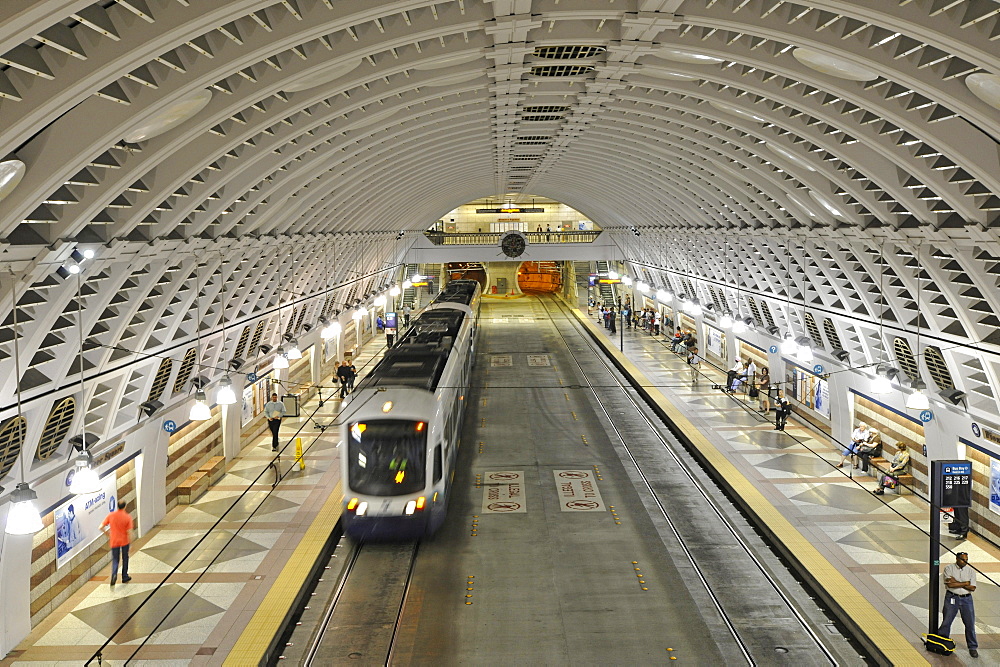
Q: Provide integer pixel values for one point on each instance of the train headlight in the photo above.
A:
(362, 509)
(411, 507)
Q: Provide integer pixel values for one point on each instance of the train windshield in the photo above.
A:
(387, 457)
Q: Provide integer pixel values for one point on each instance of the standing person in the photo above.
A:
(342, 372)
(274, 410)
(960, 582)
(406, 315)
(548, 233)
(611, 320)
(764, 384)
(959, 528)
(352, 374)
(899, 465)
(781, 411)
(389, 338)
(118, 524)
(694, 364)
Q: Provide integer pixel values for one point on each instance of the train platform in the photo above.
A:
(259, 543)
(869, 551)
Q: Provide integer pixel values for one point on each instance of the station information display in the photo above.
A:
(952, 483)
(510, 210)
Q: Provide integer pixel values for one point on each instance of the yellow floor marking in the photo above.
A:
(266, 621)
(866, 619)
(574, 416)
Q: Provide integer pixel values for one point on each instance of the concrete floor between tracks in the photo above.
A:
(562, 545)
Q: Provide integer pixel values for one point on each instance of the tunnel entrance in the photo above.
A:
(467, 271)
(539, 277)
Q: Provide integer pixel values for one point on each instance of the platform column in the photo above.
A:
(15, 587)
(151, 474)
(232, 421)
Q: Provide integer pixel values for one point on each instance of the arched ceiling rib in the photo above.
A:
(430, 104)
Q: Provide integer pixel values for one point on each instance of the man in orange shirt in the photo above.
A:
(117, 525)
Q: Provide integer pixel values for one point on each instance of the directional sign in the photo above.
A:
(926, 416)
(251, 377)
(170, 426)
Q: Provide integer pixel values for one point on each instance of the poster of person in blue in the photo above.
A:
(68, 530)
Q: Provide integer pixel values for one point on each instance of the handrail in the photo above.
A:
(493, 238)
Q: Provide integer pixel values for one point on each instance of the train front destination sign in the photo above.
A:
(952, 483)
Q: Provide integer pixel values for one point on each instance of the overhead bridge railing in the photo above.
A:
(493, 238)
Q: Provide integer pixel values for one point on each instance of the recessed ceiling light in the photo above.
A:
(448, 60)
(834, 66)
(736, 111)
(169, 117)
(789, 155)
(11, 173)
(827, 204)
(986, 87)
(801, 204)
(690, 57)
(325, 75)
(660, 73)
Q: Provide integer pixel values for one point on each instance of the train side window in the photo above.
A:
(437, 464)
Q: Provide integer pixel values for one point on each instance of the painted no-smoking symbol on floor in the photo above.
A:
(503, 507)
(574, 474)
(582, 505)
(504, 475)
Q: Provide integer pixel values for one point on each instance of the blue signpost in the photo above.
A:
(951, 486)
(170, 426)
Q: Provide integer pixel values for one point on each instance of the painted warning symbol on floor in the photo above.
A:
(500, 360)
(503, 492)
(538, 360)
(578, 491)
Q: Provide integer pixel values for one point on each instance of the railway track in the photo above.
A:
(361, 621)
(738, 627)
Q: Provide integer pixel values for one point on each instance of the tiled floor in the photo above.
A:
(195, 614)
(878, 543)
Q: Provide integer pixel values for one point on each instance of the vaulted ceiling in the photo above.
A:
(334, 130)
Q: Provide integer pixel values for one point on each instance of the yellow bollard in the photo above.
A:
(298, 454)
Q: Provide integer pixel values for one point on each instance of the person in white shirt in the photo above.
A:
(274, 411)
(694, 363)
(733, 374)
(960, 582)
(858, 436)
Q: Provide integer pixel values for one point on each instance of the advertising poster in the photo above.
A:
(810, 390)
(247, 413)
(78, 521)
(995, 485)
(714, 340)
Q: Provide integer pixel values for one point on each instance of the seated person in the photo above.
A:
(869, 448)
(858, 436)
(900, 465)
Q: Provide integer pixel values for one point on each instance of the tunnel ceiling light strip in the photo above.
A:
(833, 65)
(171, 116)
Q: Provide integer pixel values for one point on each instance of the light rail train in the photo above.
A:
(400, 428)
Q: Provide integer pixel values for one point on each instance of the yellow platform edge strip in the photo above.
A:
(867, 619)
(258, 634)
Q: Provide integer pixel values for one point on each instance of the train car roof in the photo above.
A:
(419, 358)
(458, 291)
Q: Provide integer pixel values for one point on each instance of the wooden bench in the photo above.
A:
(879, 466)
(191, 489)
(215, 468)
